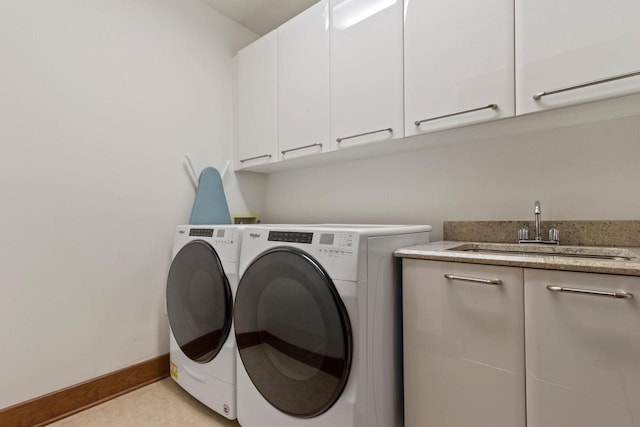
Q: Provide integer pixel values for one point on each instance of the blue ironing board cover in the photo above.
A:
(210, 205)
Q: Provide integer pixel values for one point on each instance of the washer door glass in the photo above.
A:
(199, 301)
(293, 332)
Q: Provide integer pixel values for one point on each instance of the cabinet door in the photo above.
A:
(562, 44)
(463, 345)
(303, 83)
(366, 71)
(583, 350)
(458, 63)
(257, 121)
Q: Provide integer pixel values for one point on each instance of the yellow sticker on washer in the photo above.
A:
(173, 369)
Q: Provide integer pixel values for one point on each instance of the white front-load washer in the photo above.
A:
(200, 289)
(317, 319)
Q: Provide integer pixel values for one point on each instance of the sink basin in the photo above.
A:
(615, 254)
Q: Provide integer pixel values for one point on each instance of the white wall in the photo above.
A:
(99, 102)
(581, 172)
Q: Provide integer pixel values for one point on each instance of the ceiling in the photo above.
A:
(260, 16)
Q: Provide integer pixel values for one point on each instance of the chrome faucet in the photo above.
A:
(523, 233)
(538, 217)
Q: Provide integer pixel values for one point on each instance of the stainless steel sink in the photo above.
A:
(615, 254)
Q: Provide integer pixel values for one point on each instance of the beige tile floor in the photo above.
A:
(161, 404)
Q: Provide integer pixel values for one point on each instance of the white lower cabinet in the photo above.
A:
(465, 337)
(583, 350)
(463, 345)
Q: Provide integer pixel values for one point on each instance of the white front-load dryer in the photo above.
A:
(201, 286)
(317, 320)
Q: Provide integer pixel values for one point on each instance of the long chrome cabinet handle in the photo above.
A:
(621, 294)
(473, 279)
(539, 95)
(490, 106)
(255, 158)
(301, 148)
(390, 130)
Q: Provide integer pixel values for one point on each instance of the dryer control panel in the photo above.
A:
(219, 236)
(201, 232)
(225, 240)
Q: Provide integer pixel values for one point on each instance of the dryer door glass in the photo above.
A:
(293, 332)
(199, 301)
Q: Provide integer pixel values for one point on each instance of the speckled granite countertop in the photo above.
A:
(441, 251)
(625, 234)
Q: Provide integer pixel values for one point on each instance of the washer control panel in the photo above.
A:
(337, 251)
(290, 237)
(336, 244)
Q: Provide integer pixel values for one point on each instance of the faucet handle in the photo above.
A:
(523, 234)
(536, 207)
(554, 235)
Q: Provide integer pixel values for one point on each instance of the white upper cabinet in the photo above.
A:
(567, 49)
(347, 73)
(459, 63)
(257, 109)
(303, 83)
(366, 71)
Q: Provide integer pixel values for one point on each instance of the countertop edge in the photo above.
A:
(440, 251)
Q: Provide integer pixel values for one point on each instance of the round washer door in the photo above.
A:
(199, 301)
(293, 332)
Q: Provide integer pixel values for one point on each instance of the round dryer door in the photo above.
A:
(293, 332)
(199, 301)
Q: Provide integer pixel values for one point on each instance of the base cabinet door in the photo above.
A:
(463, 340)
(582, 349)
